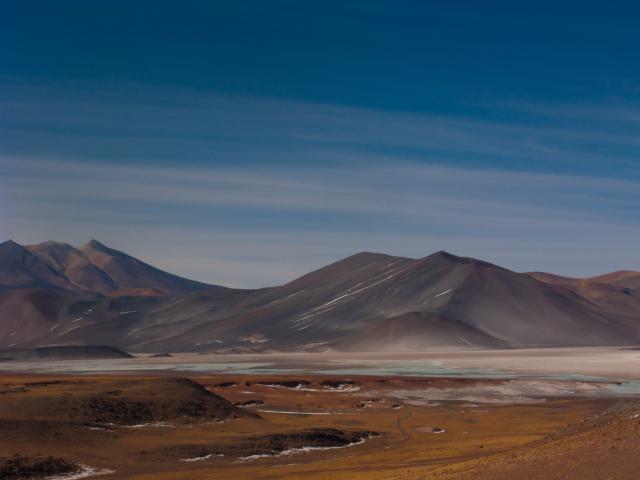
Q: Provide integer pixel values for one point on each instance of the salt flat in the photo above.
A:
(572, 363)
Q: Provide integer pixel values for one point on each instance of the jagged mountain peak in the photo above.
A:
(9, 245)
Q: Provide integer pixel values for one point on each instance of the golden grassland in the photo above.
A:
(480, 440)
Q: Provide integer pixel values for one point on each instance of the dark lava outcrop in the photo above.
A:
(225, 384)
(250, 403)
(19, 467)
(272, 444)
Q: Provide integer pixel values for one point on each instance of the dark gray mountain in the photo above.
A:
(460, 301)
(367, 301)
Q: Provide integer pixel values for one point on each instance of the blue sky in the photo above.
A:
(245, 143)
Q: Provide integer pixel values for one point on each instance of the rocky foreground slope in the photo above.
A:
(604, 446)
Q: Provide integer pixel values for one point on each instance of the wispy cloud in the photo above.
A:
(167, 125)
(254, 191)
(215, 223)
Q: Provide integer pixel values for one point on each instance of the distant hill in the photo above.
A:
(616, 292)
(55, 294)
(80, 352)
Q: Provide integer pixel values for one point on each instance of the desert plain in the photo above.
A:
(509, 414)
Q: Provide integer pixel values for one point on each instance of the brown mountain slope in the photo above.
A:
(616, 292)
(128, 272)
(623, 278)
(94, 268)
(75, 265)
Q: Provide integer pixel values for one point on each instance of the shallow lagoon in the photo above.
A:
(419, 368)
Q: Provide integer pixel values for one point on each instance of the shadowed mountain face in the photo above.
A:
(20, 268)
(366, 302)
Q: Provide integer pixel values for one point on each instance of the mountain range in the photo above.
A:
(55, 294)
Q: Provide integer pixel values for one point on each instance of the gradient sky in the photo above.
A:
(248, 142)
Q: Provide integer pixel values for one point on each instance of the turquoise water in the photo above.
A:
(106, 366)
(422, 370)
(626, 387)
(257, 368)
(616, 386)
